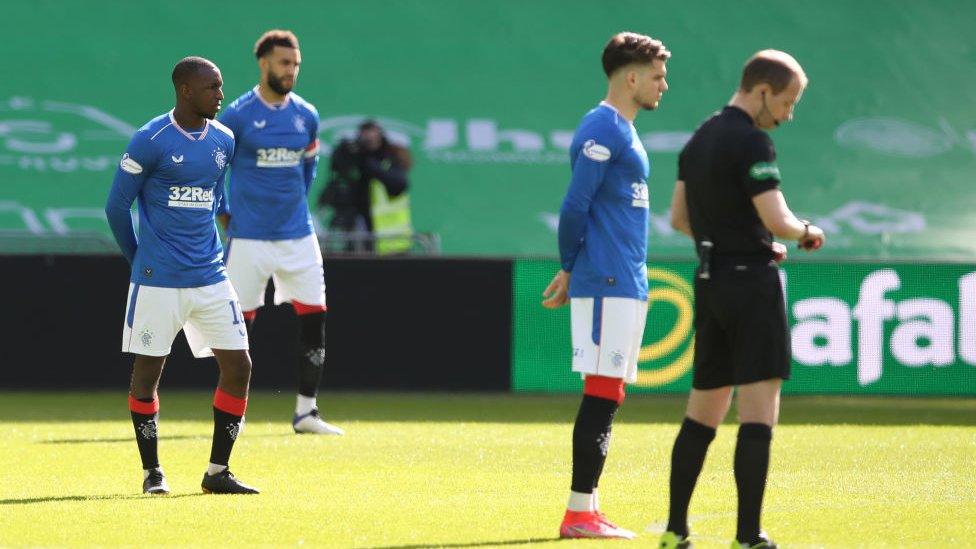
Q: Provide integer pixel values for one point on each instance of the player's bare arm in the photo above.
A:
(679, 209)
(779, 219)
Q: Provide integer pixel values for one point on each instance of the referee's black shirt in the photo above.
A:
(727, 162)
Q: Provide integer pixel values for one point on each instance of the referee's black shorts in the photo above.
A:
(740, 323)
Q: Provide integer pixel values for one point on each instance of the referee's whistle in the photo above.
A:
(705, 254)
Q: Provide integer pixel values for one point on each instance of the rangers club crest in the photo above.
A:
(316, 356)
(220, 157)
(234, 429)
(299, 124)
(149, 430)
(146, 337)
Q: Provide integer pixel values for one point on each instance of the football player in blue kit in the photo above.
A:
(267, 216)
(173, 167)
(603, 227)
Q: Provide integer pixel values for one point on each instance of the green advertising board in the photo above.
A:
(881, 153)
(857, 328)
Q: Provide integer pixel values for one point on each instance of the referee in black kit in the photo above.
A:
(727, 198)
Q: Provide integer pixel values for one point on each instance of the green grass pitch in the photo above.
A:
(423, 470)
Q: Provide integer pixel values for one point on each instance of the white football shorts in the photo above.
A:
(295, 265)
(209, 316)
(607, 334)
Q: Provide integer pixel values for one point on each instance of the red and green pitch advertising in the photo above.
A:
(856, 328)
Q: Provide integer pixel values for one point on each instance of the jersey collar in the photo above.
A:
(737, 111)
(206, 128)
(272, 106)
(616, 112)
(609, 106)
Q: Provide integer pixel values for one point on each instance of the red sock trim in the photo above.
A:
(145, 408)
(249, 315)
(303, 309)
(229, 403)
(610, 388)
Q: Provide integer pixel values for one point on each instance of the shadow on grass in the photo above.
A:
(103, 440)
(49, 499)
(472, 544)
(347, 407)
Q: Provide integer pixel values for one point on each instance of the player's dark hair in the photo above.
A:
(625, 48)
(762, 69)
(189, 66)
(272, 38)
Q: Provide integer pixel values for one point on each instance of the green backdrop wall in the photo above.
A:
(857, 328)
(881, 152)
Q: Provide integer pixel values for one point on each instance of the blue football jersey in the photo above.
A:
(275, 162)
(603, 222)
(176, 176)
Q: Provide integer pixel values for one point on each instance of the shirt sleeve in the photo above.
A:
(310, 162)
(221, 206)
(231, 118)
(761, 173)
(134, 168)
(682, 170)
(589, 169)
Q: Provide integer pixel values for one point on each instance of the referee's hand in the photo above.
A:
(557, 292)
(813, 240)
(779, 251)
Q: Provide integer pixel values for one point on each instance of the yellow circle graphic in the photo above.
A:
(677, 292)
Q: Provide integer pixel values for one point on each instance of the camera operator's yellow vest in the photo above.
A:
(391, 220)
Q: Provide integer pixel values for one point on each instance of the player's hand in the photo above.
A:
(814, 240)
(224, 220)
(557, 292)
(779, 252)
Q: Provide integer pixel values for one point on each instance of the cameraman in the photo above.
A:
(367, 190)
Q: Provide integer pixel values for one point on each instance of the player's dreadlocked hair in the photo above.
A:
(272, 38)
(189, 66)
(625, 48)
(772, 67)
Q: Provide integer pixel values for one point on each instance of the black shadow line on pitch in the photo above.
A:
(472, 544)
(130, 439)
(49, 499)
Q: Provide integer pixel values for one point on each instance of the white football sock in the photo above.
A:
(304, 405)
(595, 501)
(213, 469)
(145, 472)
(579, 501)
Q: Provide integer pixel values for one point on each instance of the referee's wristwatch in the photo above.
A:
(806, 229)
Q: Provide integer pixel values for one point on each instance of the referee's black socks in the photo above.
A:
(591, 441)
(687, 458)
(751, 466)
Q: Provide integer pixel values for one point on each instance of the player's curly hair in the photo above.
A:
(772, 67)
(625, 48)
(272, 38)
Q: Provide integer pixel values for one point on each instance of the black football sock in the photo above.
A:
(228, 422)
(591, 441)
(145, 418)
(687, 458)
(751, 466)
(311, 359)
